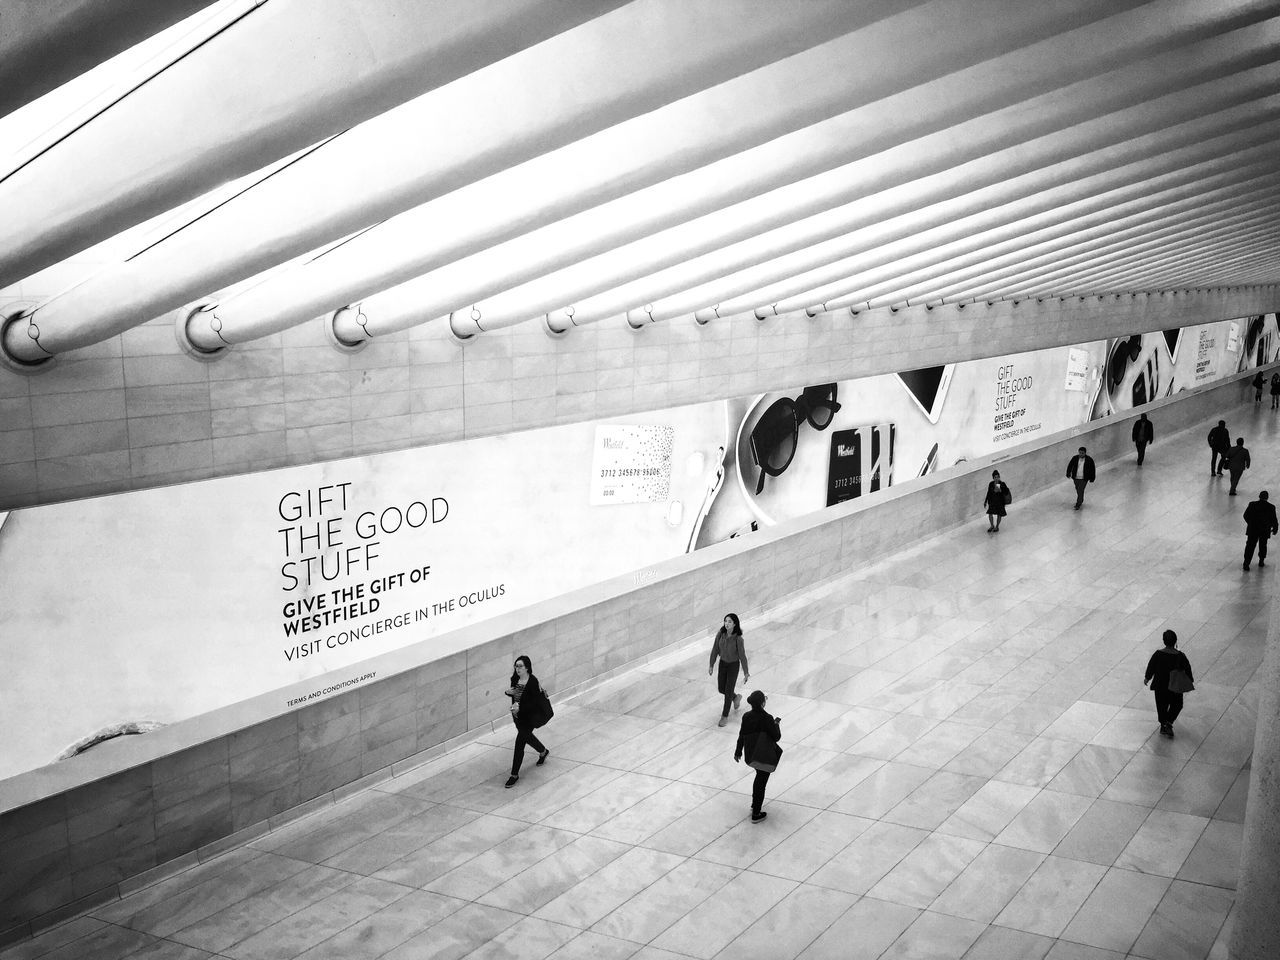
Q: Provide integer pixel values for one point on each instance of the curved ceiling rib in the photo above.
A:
(45, 43)
(1151, 257)
(441, 141)
(986, 218)
(1080, 238)
(447, 289)
(620, 292)
(988, 223)
(290, 74)
(1064, 273)
(557, 185)
(1035, 195)
(565, 88)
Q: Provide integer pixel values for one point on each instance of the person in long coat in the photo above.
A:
(998, 496)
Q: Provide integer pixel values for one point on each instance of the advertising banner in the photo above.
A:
(154, 606)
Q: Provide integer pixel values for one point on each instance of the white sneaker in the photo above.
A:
(737, 700)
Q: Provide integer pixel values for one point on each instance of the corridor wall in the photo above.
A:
(70, 845)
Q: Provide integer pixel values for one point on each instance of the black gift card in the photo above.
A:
(861, 461)
(844, 473)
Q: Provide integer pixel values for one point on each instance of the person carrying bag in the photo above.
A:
(758, 741)
(1169, 673)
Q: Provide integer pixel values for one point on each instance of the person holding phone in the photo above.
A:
(529, 710)
(729, 649)
(757, 727)
(1162, 664)
(998, 495)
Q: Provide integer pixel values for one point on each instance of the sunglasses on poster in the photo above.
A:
(774, 437)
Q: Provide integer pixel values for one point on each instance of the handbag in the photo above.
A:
(766, 754)
(1008, 496)
(1179, 682)
(547, 711)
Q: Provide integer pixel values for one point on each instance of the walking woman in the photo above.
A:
(1258, 382)
(529, 709)
(728, 647)
(1169, 673)
(759, 736)
(998, 495)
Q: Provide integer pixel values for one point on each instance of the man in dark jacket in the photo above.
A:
(757, 725)
(1237, 461)
(1219, 445)
(1259, 524)
(1080, 470)
(1143, 433)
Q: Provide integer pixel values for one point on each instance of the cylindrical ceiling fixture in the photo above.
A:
(1132, 244)
(1149, 254)
(984, 223)
(574, 177)
(45, 43)
(303, 70)
(472, 122)
(1212, 59)
(807, 291)
(904, 277)
(1156, 241)
(380, 170)
(1198, 249)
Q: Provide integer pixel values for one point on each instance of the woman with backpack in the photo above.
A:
(530, 709)
(1275, 390)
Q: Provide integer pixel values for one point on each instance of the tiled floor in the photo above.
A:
(972, 771)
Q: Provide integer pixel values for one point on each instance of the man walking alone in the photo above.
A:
(1081, 471)
(1237, 461)
(1143, 433)
(1259, 524)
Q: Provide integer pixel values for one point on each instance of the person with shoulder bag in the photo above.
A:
(1169, 673)
(998, 497)
(530, 709)
(758, 741)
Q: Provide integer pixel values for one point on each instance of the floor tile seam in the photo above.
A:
(353, 878)
(188, 890)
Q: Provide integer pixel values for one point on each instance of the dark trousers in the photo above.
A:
(1235, 478)
(1142, 449)
(757, 790)
(1216, 461)
(727, 679)
(1252, 540)
(524, 735)
(1080, 485)
(1168, 706)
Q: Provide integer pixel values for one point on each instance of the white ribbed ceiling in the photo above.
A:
(482, 163)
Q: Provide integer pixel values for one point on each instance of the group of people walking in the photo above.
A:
(1259, 381)
(1168, 671)
(1222, 455)
(1168, 674)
